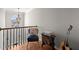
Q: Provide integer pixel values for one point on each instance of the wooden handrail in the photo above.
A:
(16, 27)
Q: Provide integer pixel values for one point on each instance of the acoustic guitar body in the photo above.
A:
(64, 46)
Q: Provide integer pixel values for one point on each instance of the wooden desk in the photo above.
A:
(48, 39)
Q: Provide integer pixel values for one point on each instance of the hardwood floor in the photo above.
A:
(31, 46)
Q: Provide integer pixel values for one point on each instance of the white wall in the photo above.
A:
(56, 20)
(2, 17)
(2, 24)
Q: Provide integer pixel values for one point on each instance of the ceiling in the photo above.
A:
(20, 9)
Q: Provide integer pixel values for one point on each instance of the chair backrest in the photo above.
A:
(33, 31)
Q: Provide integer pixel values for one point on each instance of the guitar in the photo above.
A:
(65, 43)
